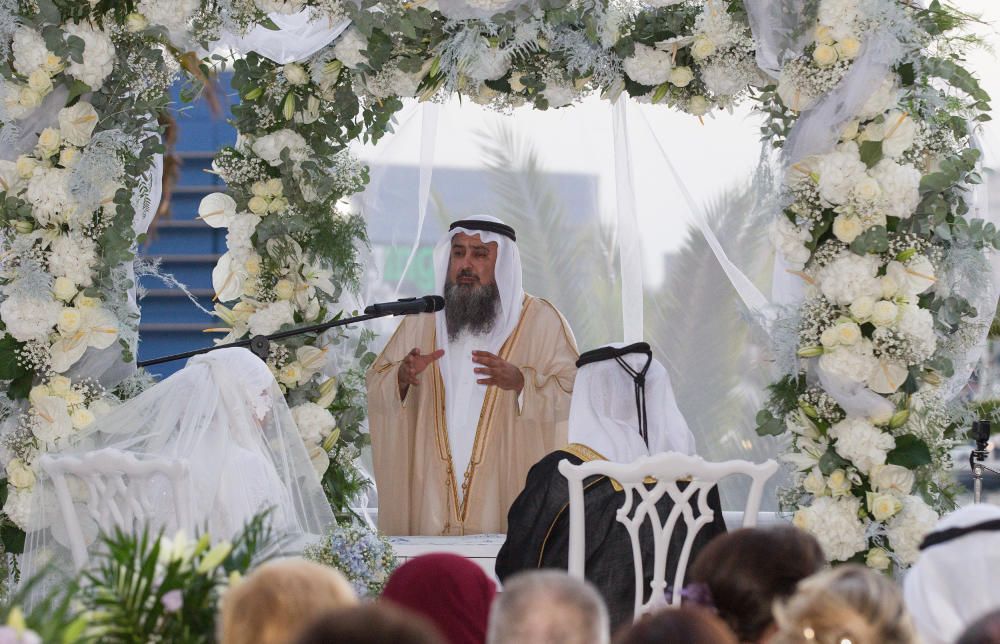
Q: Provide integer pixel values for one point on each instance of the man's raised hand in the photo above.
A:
(497, 371)
(412, 366)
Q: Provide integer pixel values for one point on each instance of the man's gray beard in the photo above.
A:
(470, 308)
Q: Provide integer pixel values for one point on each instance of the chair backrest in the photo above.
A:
(119, 489)
(667, 469)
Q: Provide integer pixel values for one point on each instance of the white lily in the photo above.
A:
(98, 328)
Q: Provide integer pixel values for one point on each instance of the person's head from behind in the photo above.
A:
(985, 630)
(451, 592)
(747, 570)
(275, 601)
(548, 607)
(381, 623)
(684, 625)
(847, 603)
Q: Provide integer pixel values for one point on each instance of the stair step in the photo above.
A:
(172, 306)
(194, 271)
(184, 236)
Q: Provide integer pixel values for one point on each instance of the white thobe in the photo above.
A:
(463, 400)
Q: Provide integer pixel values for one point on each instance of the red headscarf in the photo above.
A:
(451, 591)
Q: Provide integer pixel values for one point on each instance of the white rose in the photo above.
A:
(883, 506)
(861, 308)
(814, 483)
(40, 81)
(60, 385)
(648, 66)
(295, 74)
(69, 156)
(278, 204)
(867, 189)
(257, 205)
(848, 333)
(284, 289)
(824, 35)
(289, 374)
(891, 479)
(825, 55)
(135, 22)
(698, 105)
(839, 483)
(20, 475)
(889, 287)
(850, 130)
(77, 123)
(862, 443)
(25, 166)
(69, 320)
(681, 76)
(878, 559)
(48, 142)
(82, 418)
(10, 178)
(29, 98)
(829, 338)
(884, 313)
(273, 188)
(53, 64)
(847, 228)
(702, 47)
(848, 48)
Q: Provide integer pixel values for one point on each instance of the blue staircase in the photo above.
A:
(186, 247)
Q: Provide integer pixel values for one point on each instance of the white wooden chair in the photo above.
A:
(119, 488)
(668, 469)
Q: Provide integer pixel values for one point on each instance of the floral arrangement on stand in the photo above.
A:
(877, 230)
(365, 558)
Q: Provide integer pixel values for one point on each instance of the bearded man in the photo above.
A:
(461, 403)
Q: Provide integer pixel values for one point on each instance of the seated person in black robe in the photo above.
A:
(615, 387)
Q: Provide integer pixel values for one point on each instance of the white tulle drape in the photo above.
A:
(297, 37)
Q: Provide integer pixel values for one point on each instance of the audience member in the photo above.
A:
(684, 625)
(277, 600)
(953, 582)
(450, 591)
(381, 623)
(985, 630)
(747, 570)
(547, 607)
(849, 603)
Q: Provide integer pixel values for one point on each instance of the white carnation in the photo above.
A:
(173, 15)
(790, 240)
(558, 95)
(270, 146)
(30, 318)
(721, 80)
(314, 422)
(73, 257)
(349, 47)
(900, 187)
(271, 318)
(29, 50)
(18, 509)
(835, 524)
(839, 172)
(849, 277)
(98, 55)
(907, 529)
(491, 64)
(648, 66)
(852, 363)
(917, 326)
(861, 443)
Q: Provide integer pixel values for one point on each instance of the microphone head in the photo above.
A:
(435, 303)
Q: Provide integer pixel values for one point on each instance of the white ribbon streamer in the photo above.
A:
(629, 247)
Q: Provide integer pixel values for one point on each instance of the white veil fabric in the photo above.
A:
(603, 414)
(297, 36)
(464, 397)
(223, 416)
(953, 583)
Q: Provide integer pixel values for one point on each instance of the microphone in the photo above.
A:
(407, 306)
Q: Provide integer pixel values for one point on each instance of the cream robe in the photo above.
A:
(417, 484)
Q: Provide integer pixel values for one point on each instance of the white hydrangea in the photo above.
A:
(721, 80)
(29, 50)
(790, 240)
(900, 185)
(849, 277)
(917, 325)
(314, 422)
(884, 98)
(172, 15)
(48, 192)
(559, 95)
(491, 63)
(907, 529)
(395, 82)
(861, 443)
(73, 257)
(851, 362)
(349, 46)
(835, 524)
(270, 146)
(30, 318)
(839, 172)
(840, 16)
(717, 26)
(98, 55)
(280, 6)
(271, 318)
(18, 509)
(648, 66)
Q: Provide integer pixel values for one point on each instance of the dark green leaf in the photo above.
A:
(910, 452)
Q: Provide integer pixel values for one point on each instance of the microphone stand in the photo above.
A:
(981, 434)
(260, 345)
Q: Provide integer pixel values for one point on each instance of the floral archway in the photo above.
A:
(868, 102)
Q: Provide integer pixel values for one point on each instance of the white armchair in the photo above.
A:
(120, 488)
(667, 469)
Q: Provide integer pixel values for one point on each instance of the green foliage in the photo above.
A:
(910, 452)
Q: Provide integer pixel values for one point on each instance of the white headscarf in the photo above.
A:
(954, 583)
(463, 397)
(603, 414)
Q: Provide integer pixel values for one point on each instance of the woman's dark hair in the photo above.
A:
(985, 630)
(687, 625)
(746, 570)
(371, 624)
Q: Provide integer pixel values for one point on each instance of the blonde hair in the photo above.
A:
(278, 600)
(849, 603)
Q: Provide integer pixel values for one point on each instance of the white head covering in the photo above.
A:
(954, 582)
(603, 414)
(463, 397)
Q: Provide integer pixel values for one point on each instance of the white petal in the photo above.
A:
(216, 209)
(887, 376)
(67, 351)
(228, 283)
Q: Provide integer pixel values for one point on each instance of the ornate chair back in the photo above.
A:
(641, 496)
(120, 491)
